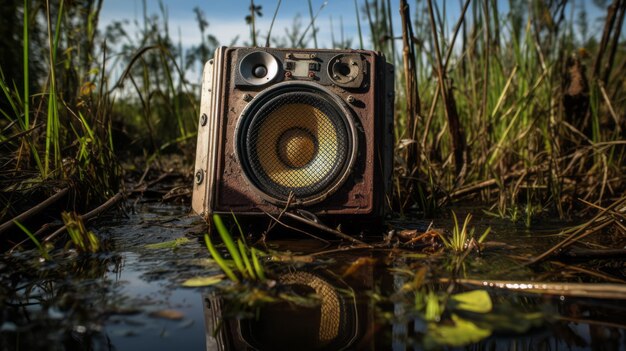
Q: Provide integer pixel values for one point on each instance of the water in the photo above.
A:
(132, 298)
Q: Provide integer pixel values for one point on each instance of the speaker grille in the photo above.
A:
(296, 140)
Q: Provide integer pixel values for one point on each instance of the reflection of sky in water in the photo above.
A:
(150, 280)
(140, 332)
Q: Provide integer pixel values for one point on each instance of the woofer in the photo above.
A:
(296, 138)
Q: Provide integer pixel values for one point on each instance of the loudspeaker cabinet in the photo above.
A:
(295, 128)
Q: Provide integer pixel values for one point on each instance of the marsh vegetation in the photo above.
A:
(511, 112)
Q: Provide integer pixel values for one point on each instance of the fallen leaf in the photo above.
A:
(168, 314)
(203, 281)
(407, 234)
(168, 244)
(462, 332)
(473, 301)
(356, 265)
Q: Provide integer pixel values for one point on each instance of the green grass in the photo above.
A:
(244, 263)
(83, 240)
(41, 248)
(459, 242)
(480, 118)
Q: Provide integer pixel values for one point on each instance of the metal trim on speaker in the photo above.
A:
(334, 109)
(208, 127)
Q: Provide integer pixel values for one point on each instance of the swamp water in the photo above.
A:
(391, 297)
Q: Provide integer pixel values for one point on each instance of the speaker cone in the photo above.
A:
(296, 138)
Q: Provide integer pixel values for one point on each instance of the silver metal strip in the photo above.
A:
(208, 126)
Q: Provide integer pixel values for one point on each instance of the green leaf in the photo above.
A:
(203, 281)
(433, 309)
(462, 332)
(484, 235)
(473, 301)
(168, 244)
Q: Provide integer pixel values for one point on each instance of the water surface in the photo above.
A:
(131, 297)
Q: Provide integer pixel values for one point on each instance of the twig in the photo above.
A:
(324, 228)
(277, 220)
(580, 233)
(33, 211)
(591, 322)
(609, 105)
(271, 225)
(591, 253)
(20, 134)
(89, 215)
(608, 278)
(140, 188)
(341, 249)
(591, 290)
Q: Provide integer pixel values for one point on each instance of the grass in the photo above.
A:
(491, 127)
(41, 248)
(82, 239)
(508, 144)
(459, 242)
(245, 263)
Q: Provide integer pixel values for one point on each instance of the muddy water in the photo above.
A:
(132, 297)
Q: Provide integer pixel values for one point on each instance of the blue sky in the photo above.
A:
(226, 17)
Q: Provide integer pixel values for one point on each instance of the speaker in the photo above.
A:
(296, 129)
(336, 315)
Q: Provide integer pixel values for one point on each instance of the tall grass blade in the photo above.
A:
(83, 239)
(313, 24)
(248, 272)
(228, 241)
(269, 32)
(26, 101)
(32, 237)
(53, 123)
(258, 268)
(358, 24)
(238, 225)
(219, 260)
